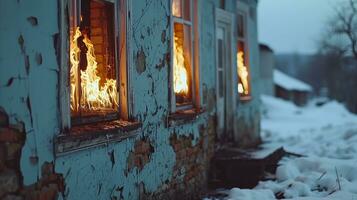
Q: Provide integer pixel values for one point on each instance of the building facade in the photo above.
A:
(120, 99)
(291, 89)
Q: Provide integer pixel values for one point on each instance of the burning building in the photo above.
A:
(120, 99)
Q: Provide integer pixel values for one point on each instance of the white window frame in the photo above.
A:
(195, 69)
(123, 71)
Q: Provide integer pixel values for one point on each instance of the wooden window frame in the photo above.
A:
(123, 21)
(195, 69)
(243, 10)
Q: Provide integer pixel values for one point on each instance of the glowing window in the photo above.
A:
(95, 35)
(243, 86)
(182, 61)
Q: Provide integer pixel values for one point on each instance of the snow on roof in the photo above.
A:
(290, 83)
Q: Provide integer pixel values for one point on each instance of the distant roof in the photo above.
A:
(265, 47)
(290, 83)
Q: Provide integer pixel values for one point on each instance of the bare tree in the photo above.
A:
(341, 34)
(336, 61)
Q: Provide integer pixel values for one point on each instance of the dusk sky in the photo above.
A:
(290, 26)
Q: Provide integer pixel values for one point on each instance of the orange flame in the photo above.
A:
(93, 96)
(180, 72)
(243, 87)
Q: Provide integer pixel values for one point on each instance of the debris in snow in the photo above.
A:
(327, 137)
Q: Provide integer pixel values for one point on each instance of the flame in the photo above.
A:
(93, 96)
(243, 87)
(180, 72)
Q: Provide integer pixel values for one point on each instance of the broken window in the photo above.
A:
(97, 57)
(244, 88)
(183, 66)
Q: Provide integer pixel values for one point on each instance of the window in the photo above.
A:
(244, 88)
(184, 76)
(96, 62)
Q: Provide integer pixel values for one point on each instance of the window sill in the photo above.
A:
(245, 99)
(93, 135)
(183, 116)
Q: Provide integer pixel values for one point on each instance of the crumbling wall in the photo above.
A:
(12, 140)
(29, 78)
(150, 165)
(192, 162)
(248, 112)
(160, 161)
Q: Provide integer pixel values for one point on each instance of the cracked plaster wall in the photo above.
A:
(29, 93)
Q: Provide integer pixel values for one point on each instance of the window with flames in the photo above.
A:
(93, 60)
(182, 63)
(244, 89)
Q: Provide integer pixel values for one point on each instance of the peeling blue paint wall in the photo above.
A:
(29, 74)
(248, 120)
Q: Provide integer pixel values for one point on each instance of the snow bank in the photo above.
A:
(245, 194)
(314, 177)
(326, 135)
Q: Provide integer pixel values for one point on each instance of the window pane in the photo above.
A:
(177, 8)
(93, 64)
(241, 25)
(182, 69)
(186, 10)
(242, 69)
(220, 53)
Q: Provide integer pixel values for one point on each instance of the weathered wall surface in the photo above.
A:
(161, 161)
(29, 77)
(248, 120)
(12, 140)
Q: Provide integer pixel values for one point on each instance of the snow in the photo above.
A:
(290, 83)
(244, 194)
(325, 135)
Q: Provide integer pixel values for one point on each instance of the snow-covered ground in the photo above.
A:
(325, 135)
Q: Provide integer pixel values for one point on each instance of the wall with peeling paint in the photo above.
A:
(135, 168)
(248, 120)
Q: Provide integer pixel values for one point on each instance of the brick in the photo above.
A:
(13, 151)
(20, 127)
(95, 23)
(47, 169)
(143, 148)
(47, 193)
(96, 31)
(97, 40)
(189, 151)
(3, 156)
(9, 182)
(11, 135)
(137, 162)
(96, 13)
(4, 119)
(145, 159)
(177, 146)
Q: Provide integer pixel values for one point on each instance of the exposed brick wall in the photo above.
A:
(12, 139)
(140, 155)
(100, 25)
(190, 173)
